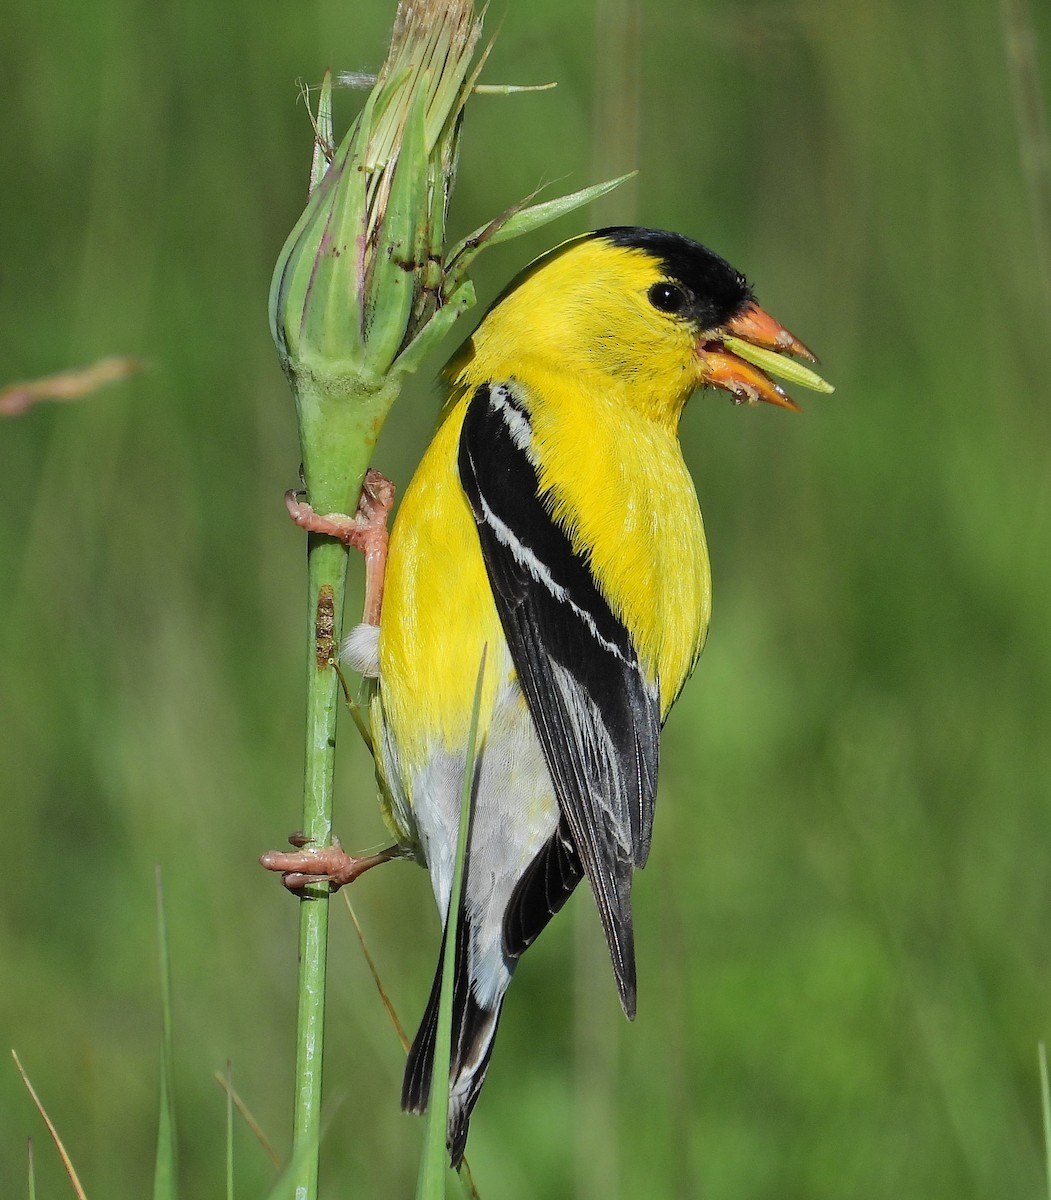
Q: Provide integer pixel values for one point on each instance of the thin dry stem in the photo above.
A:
(67, 1162)
(248, 1118)
(73, 384)
(399, 1028)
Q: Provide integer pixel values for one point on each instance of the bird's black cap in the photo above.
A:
(717, 291)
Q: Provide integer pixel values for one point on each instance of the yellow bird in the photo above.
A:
(552, 520)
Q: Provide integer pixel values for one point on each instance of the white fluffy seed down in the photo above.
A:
(360, 650)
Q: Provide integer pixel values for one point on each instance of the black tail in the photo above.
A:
(473, 1031)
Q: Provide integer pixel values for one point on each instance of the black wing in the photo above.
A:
(597, 716)
(547, 883)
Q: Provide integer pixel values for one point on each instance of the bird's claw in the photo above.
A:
(320, 864)
(366, 530)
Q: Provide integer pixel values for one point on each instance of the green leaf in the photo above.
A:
(525, 220)
(433, 1169)
(520, 219)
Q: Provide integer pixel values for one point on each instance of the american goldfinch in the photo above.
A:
(553, 521)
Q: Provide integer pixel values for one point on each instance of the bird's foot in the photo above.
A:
(365, 531)
(321, 864)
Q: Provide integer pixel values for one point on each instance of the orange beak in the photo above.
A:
(746, 383)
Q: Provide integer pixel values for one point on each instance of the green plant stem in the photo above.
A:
(339, 422)
(326, 567)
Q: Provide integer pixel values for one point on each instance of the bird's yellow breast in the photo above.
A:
(621, 491)
(438, 610)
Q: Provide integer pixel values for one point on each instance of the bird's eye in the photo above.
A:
(667, 297)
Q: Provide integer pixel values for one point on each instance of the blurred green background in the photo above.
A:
(845, 927)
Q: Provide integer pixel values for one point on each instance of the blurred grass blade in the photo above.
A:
(32, 1169)
(165, 1186)
(287, 1186)
(229, 1089)
(1045, 1105)
(246, 1115)
(1034, 134)
(67, 1162)
(433, 1162)
(466, 1179)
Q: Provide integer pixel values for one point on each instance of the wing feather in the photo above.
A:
(597, 716)
(548, 882)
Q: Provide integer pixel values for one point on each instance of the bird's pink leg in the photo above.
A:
(365, 531)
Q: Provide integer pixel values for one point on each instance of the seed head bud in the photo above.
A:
(360, 273)
(365, 285)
